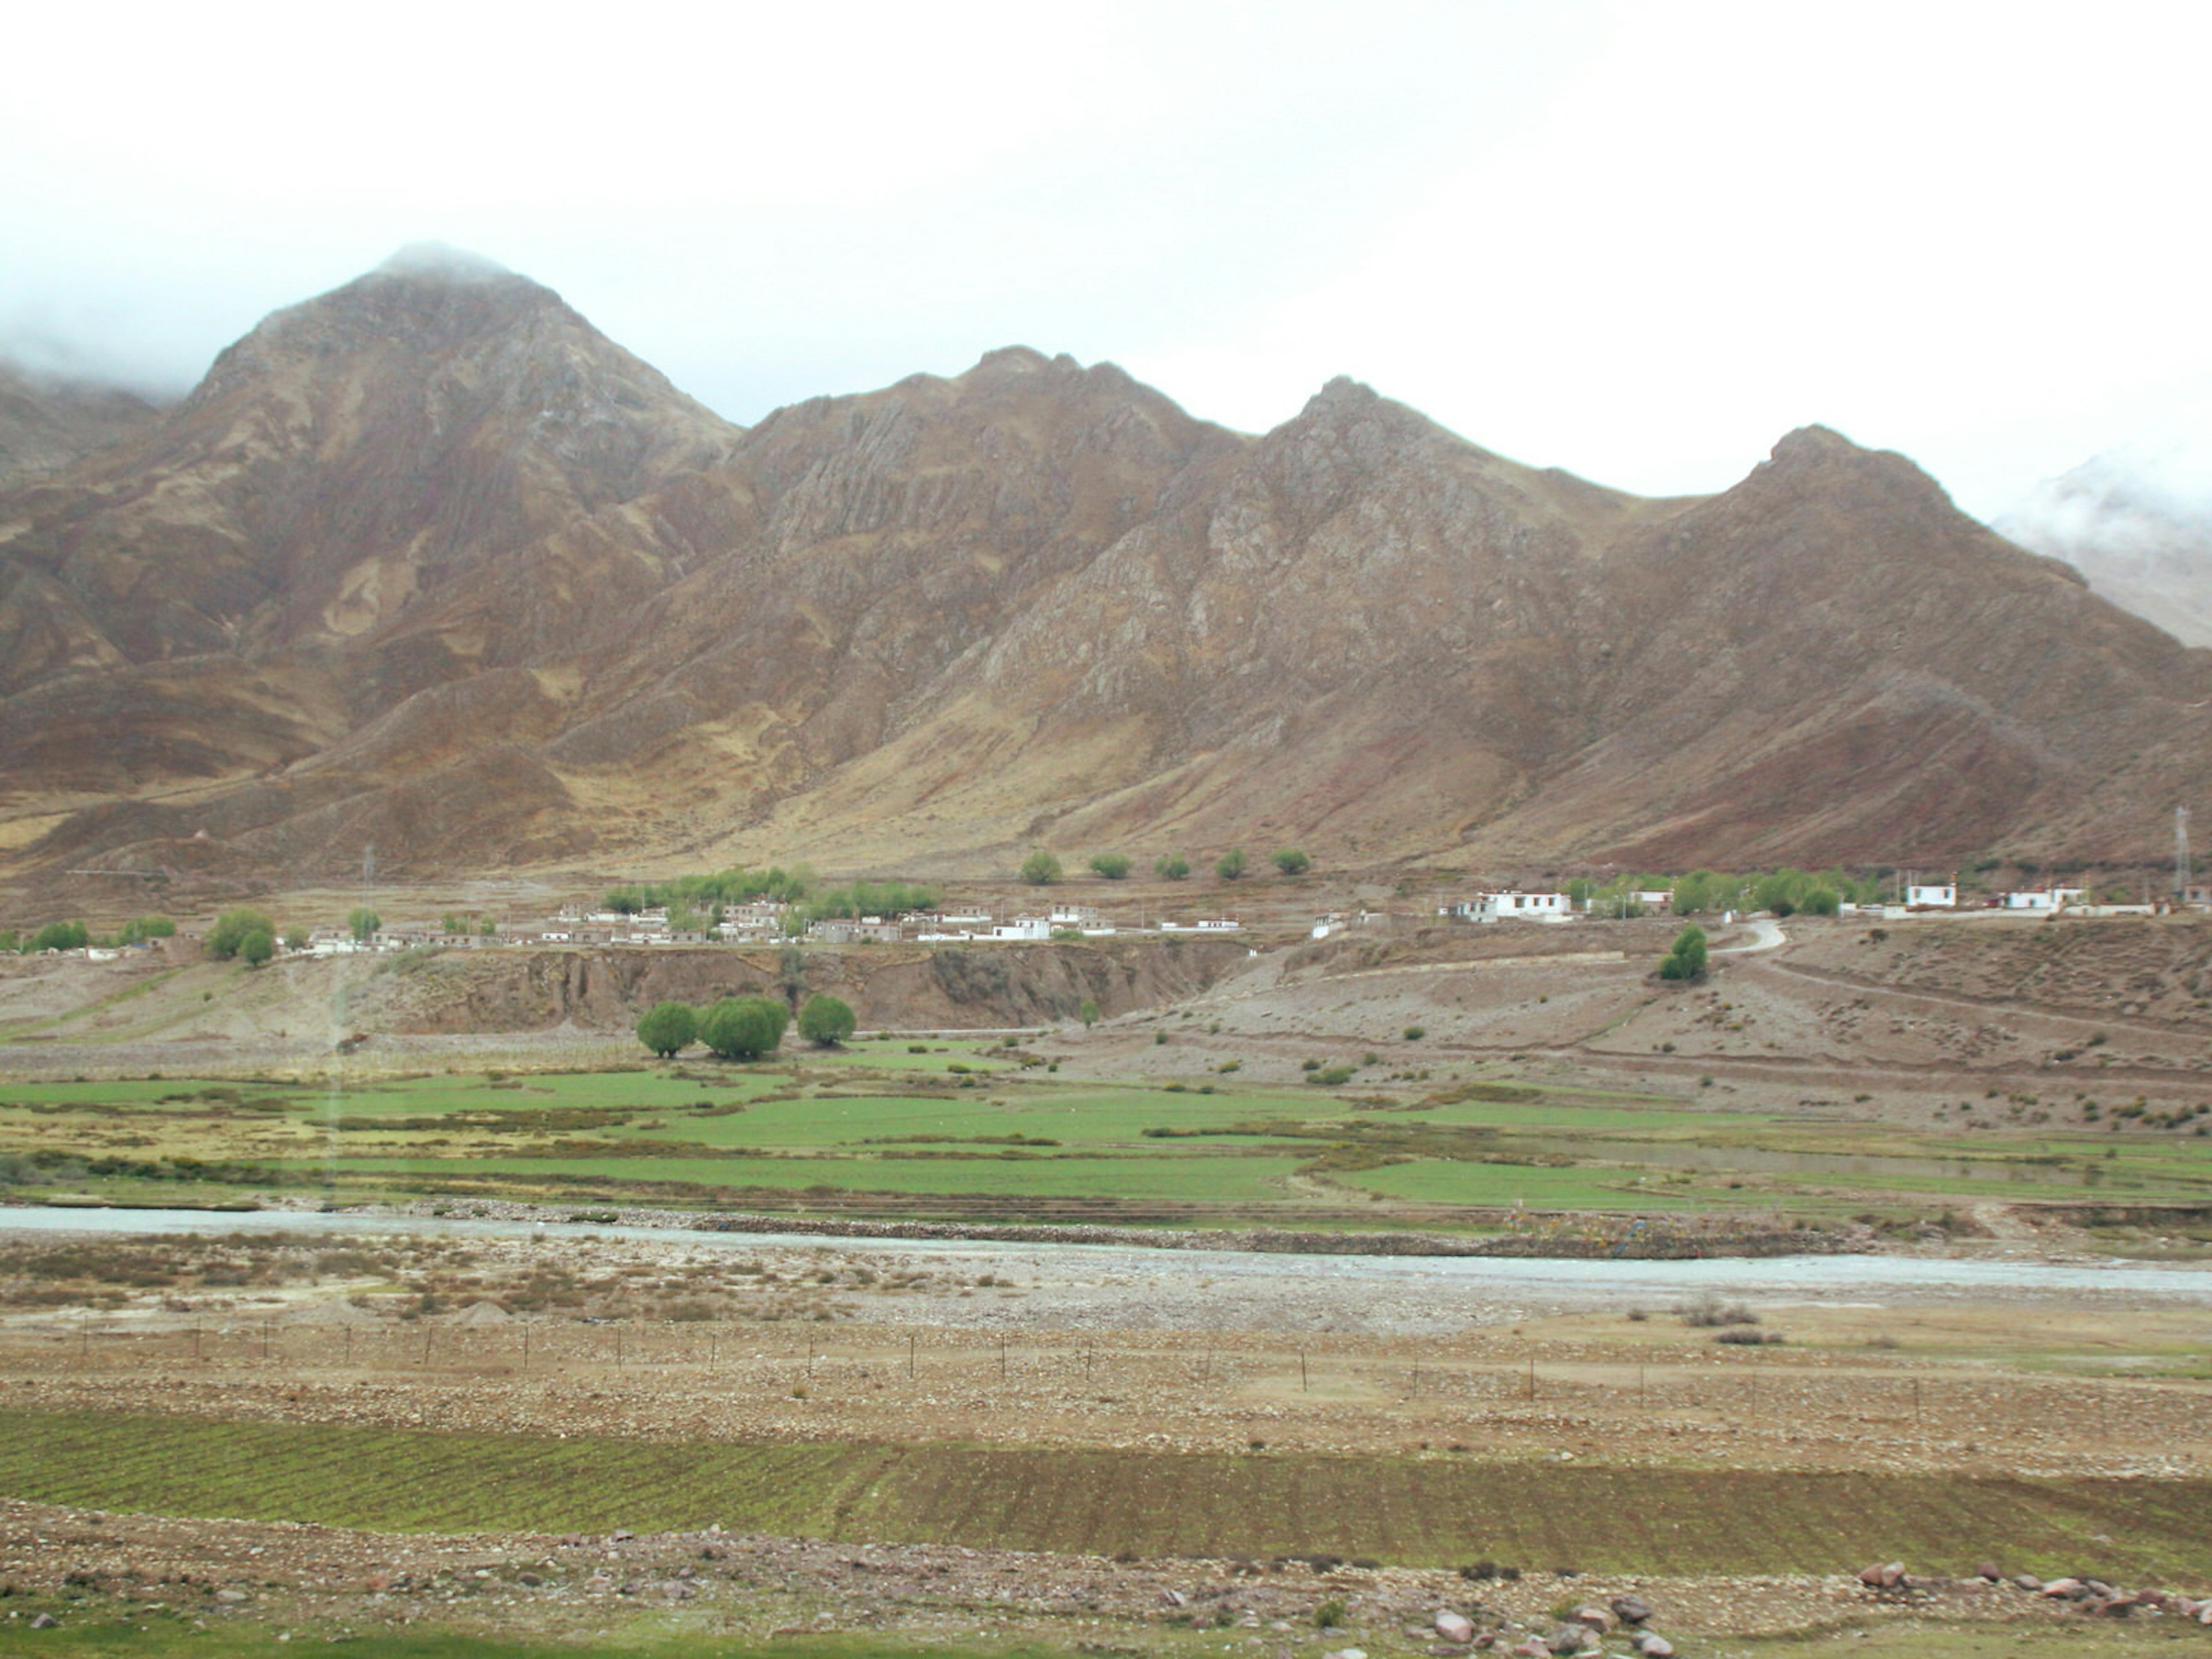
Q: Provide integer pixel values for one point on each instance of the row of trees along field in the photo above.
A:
(76, 936)
(1785, 892)
(742, 1028)
(1042, 868)
(697, 903)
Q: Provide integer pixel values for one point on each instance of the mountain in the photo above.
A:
(2143, 541)
(47, 420)
(428, 564)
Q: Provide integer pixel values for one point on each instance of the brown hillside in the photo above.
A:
(429, 563)
(46, 421)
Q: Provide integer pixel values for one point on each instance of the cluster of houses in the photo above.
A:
(1512, 904)
(764, 921)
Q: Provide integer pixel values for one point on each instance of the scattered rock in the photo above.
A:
(1175, 1598)
(2027, 1581)
(1631, 1609)
(1991, 1571)
(45, 1621)
(233, 1596)
(1454, 1626)
(1652, 1646)
(1886, 1575)
(1592, 1617)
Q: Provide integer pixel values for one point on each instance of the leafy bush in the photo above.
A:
(60, 936)
(257, 947)
(668, 1028)
(1292, 862)
(1112, 866)
(1330, 1076)
(1687, 960)
(1041, 869)
(1415, 1033)
(1170, 867)
(825, 1020)
(231, 929)
(1230, 865)
(744, 1028)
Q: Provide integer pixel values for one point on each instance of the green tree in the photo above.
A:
(488, 928)
(625, 900)
(295, 938)
(1171, 866)
(453, 922)
(825, 1020)
(1292, 862)
(1040, 869)
(1088, 1013)
(1112, 866)
(744, 1028)
(231, 929)
(257, 947)
(1821, 901)
(669, 1028)
(1230, 865)
(1687, 960)
(61, 936)
(362, 923)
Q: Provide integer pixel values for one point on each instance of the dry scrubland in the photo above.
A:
(460, 1431)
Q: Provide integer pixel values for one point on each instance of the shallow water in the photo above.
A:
(1812, 1277)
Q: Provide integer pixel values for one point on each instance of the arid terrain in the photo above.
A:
(494, 1412)
(429, 567)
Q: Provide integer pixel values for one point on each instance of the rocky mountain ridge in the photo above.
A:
(429, 564)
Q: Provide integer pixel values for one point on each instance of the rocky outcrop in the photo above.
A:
(901, 988)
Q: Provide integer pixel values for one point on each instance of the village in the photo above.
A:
(772, 922)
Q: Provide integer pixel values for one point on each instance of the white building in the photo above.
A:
(1513, 906)
(2043, 899)
(1023, 927)
(1932, 895)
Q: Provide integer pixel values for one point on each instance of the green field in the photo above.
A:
(1434, 1511)
(968, 1125)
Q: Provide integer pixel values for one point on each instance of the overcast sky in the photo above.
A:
(1640, 240)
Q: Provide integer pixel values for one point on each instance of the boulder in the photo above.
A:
(2059, 1588)
(2027, 1581)
(1173, 1598)
(1593, 1616)
(1570, 1639)
(1652, 1646)
(1886, 1575)
(1631, 1609)
(45, 1621)
(1990, 1570)
(1454, 1626)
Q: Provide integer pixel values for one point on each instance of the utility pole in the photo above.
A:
(2180, 851)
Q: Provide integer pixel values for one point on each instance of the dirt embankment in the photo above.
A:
(889, 986)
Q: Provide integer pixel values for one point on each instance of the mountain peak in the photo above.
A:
(442, 261)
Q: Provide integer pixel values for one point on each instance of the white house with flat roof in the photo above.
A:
(1932, 895)
(1513, 905)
